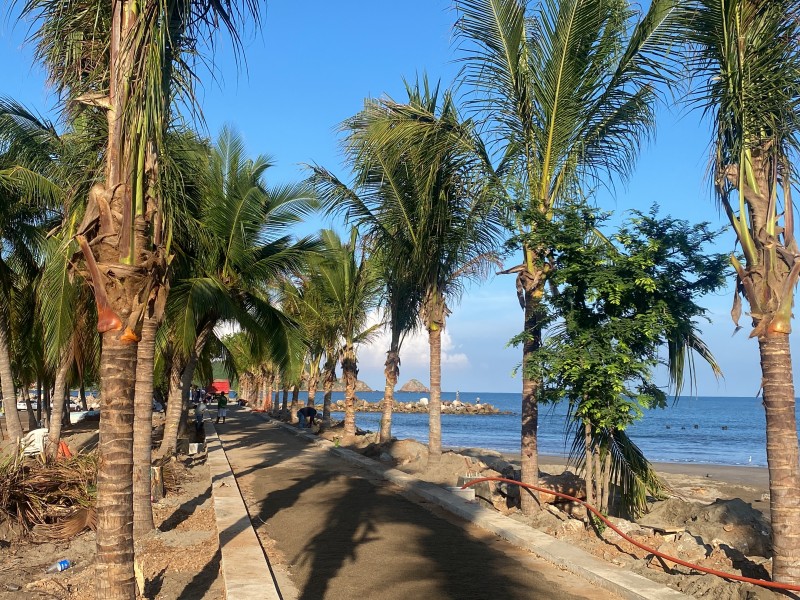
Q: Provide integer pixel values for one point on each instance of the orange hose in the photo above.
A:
(759, 582)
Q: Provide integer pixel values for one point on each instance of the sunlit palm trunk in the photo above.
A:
(392, 372)
(58, 401)
(13, 423)
(143, 429)
(435, 401)
(114, 563)
(782, 455)
(295, 403)
(174, 408)
(349, 374)
(530, 401)
(313, 382)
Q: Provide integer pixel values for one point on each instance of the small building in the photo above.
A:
(219, 386)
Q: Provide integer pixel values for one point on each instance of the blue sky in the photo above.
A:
(312, 66)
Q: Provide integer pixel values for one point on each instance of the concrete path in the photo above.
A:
(344, 533)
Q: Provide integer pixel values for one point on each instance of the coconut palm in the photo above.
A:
(744, 61)
(126, 62)
(564, 92)
(438, 208)
(350, 286)
(243, 247)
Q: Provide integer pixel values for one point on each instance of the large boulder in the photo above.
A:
(406, 451)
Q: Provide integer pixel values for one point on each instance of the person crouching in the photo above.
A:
(307, 412)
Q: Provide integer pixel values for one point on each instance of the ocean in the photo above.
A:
(711, 430)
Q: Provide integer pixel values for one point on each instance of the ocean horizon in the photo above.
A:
(722, 430)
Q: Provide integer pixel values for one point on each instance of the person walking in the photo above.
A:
(222, 407)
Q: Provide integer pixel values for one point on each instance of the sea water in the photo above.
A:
(713, 430)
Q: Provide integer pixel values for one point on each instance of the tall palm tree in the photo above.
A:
(440, 209)
(350, 286)
(744, 61)
(564, 92)
(244, 247)
(125, 62)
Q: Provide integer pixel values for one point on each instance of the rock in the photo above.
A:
(385, 457)
(566, 483)
(406, 451)
(414, 386)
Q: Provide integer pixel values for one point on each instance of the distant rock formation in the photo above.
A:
(360, 386)
(414, 386)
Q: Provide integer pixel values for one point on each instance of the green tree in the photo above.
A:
(619, 302)
(743, 60)
(564, 91)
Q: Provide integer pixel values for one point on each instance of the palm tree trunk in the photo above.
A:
(295, 403)
(588, 479)
(285, 404)
(57, 409)
(529, 472)
(114, 562)
(179, 393)
(174, 408)
(83, 395)
(13, 423)
(782, 456)
(143, 429)
(392, 372)
(350, 375)
(39, 400)
(327, 387)
(313, 382)
(435, 401)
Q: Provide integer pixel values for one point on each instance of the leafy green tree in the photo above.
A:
(743, 60)
(563, 89)
(619, 302)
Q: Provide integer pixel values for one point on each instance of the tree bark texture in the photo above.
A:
(782, 456)
(57, 410)
(313, 382)
(435, 401)
(285, 404)
(143, 429)
(114, 563)
(530, 402)
(588, 462)
(295, 404)
(392, 372)
(13, 423)
(327, 388)
(350, 375)
(174, 408)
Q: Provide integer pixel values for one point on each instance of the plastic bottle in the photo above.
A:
(61, 565)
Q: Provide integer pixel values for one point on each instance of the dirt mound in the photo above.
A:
(733, 523)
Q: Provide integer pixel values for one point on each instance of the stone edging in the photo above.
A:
(245, 570)
(625, 584)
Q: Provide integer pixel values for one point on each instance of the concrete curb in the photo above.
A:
(624, 584)
(243, 560)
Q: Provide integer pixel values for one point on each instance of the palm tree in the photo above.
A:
(565, 93)
(244, 247)
(125, 62)
(744, 60)
(440, 210)
(350, 287)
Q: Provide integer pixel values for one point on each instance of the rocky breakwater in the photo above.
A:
(456, 407)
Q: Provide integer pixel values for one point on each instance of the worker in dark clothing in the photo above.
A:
(307, 412)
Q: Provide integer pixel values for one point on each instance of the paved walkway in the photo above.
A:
(342, 533)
